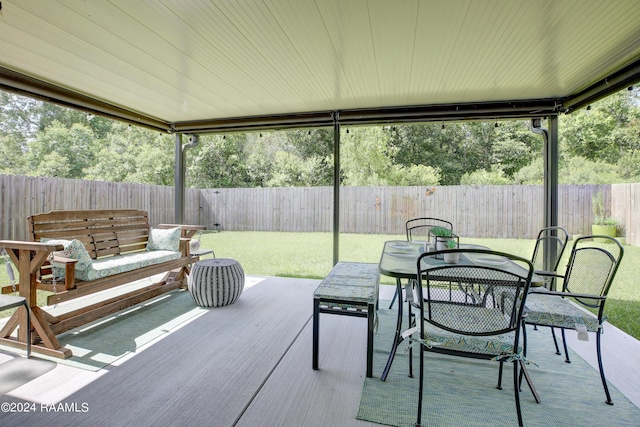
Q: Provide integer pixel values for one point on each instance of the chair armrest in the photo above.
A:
(64, 260)
(188, 230)
(30, 246)
(548, 274)
(566, 294)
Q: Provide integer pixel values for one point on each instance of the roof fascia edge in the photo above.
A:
(21, 84)
(377, 116)
(625, 77)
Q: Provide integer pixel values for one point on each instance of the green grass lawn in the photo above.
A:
(310, 255)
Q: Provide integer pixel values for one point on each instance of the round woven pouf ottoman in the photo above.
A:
(216, 282)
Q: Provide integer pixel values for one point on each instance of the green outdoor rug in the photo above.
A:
(106, 340)
(462, 392)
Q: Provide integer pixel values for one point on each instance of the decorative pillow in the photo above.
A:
(164, 239)
(72, 249)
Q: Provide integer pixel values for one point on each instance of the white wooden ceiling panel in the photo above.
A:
(354, 74)
(178, 60)
(436, 35)
(169, 47)
(70, 66)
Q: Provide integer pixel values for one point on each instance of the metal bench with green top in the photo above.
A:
(350, 289)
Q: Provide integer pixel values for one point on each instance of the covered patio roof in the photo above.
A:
(220, 66)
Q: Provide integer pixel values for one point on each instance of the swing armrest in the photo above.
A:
(64, 260)
(69, 270)
(37, 252)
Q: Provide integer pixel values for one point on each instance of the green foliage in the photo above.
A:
(597, 205)
(62, 152)
(416, 175)
(628, 167)
(368, 159)
(602, 146)
(601, 133)
(531, 174)
(579, 170)
(440, 231)
(12, 160)
(494, 176)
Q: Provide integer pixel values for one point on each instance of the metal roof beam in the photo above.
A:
(628, 76)
(376, 116)
(12, 81)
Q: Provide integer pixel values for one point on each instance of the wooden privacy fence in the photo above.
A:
(505, 211)
(500, 211)
(22, 196)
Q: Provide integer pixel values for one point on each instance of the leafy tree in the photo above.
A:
(531, 174)
(12, 159)
(17, 115)
(600, 133)
(156, 163)
(134, 154)
(494, 176)
(415, 175)
(366, 157)
(290, 170)
(514, 146)
(218, 162)
(430, 145)
(628, 167)
(75, 148)
(45, 139)
(579, 170)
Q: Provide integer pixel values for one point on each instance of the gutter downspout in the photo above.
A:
(179, 174)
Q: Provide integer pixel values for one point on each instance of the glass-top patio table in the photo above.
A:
(399, 259)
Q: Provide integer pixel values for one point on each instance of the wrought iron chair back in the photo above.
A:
(480, 318)
(587, 280)
(550, 245)
(420, 228)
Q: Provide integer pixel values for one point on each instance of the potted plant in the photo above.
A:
(440, 236)
(453, 258)
(602, 225)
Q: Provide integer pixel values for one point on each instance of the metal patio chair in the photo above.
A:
(420, 229)
(550, 245)
(587, 280)
(487, 326)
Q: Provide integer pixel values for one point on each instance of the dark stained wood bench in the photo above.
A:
(350, 289)
(104, 234)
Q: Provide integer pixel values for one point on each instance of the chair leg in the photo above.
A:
(395, 295)
(499, 386)
(566, 351)
(555, 341)
(409, 317)
(516, 391)
(604, 380)
(524, 349)
(420, 388)
(525, 373)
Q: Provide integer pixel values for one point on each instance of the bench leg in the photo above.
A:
(370, 326)
(316, 330)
